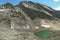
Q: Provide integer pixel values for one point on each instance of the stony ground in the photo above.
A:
(6, 33)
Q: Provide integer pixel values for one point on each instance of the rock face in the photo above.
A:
(20, 21)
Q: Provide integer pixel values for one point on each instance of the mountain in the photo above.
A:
(8, 5)
(25, 18)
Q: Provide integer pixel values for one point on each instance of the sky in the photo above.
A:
(55, 4)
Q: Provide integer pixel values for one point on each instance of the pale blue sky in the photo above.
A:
(52, 3)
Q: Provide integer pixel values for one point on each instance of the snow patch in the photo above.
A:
(37, 27)
(2, 9)
(46, 26)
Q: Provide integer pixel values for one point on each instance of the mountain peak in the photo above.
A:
(8, 5)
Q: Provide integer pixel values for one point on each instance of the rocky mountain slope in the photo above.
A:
(27, 17)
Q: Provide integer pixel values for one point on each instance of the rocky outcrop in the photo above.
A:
(26, 17)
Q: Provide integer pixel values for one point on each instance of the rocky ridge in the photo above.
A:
(27, 17)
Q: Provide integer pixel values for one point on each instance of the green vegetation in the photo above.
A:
(43, 34)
